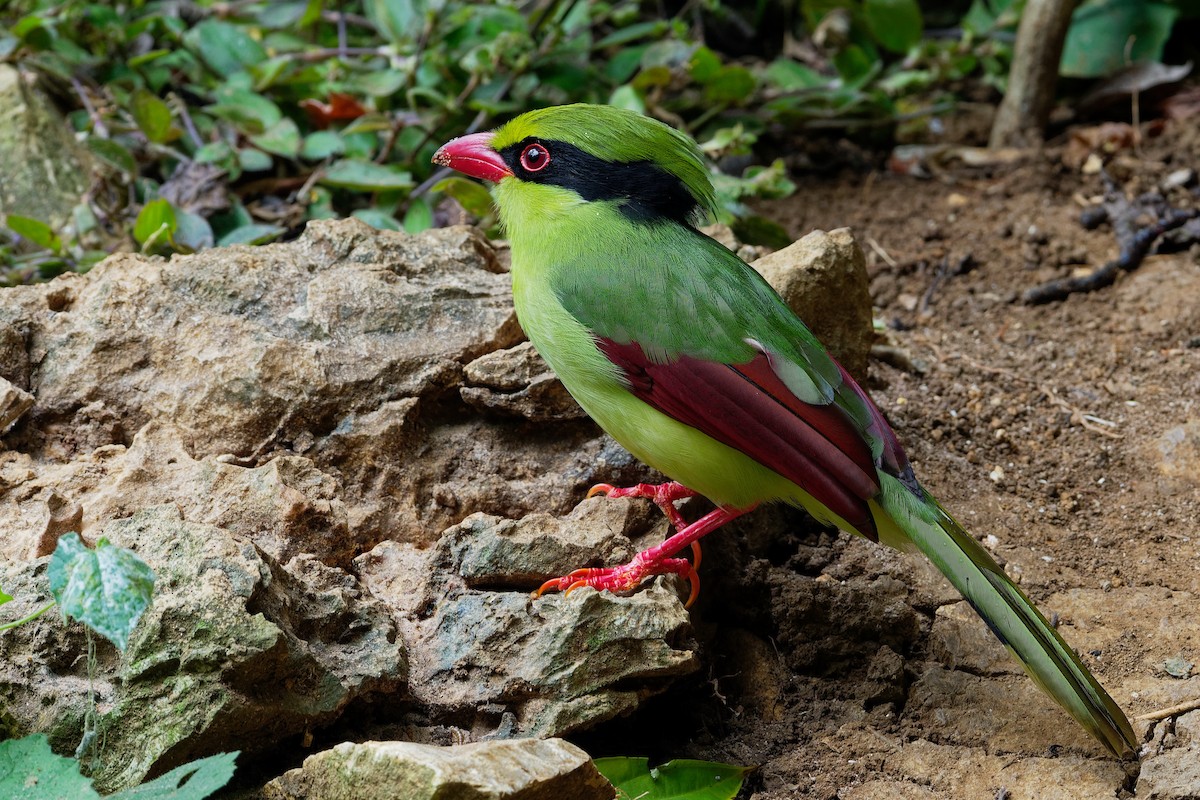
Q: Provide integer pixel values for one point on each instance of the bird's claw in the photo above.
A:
(626, 577)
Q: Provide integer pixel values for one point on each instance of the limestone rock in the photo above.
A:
(235, 652)
(14, 401)
(286, 506)
(46, 171)
(526, 667)
(1174, 774)
(523, 769)
(823, 277)
(518, 382)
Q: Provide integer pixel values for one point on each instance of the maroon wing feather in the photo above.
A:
(747, 407)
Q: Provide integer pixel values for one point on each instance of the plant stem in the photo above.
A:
(30, 618)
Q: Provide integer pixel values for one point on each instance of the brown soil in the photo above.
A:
(1070, 432)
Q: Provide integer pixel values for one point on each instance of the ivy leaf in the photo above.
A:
(681, 779)
(29, 769)
(1100, 32)
(419, 216)
(155, 216)
(106, 589)
(377, 219)
(253, 233)
(195, 780)
(365, 176)
(469, 194)
(282, 138)
(895, 24)
(152, 115)
(112, 153)
(35, 231)
(226, 48)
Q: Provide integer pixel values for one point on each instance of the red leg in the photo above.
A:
(657, 560)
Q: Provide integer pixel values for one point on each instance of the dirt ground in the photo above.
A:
(1066, 436)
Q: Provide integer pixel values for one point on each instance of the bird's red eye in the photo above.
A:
(535, 158)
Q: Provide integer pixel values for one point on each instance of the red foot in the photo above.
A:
(624, 578)
(657, 560)
(664, 496)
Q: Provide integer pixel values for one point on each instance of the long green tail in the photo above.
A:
(1014, 619)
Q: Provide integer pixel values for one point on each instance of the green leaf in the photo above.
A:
(681, 779)
(1101, 30)
(321, 145)
(195, 780)
(254, 233)
(377, 219)
(152, 115)
(249, 111)
(30, 770)
(282, 138)
(378, 83)
(985, 16)
(855, 65)
(192, 232)
(399, 21)
(419, 216)
(365, 176)
(651, 29)
(754, 229)
(112, 153)
(469, 194)
(729, 84)
(253, 160)
(35, 231)
(4, 598)
(156, 217)
(226, 48)
(895, 24)
(627, 97)
(106, 589)
(789, 75)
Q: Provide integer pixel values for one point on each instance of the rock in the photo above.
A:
(46, 171)
(965, 773)
(249, 350)
(520, 553)
(14, 401)
(960, 640)
(1000, 715)
(235, 652)
(1178, 456)
(757, 674)
(497, 663)
(517, 382)
(524, 769)
(286, 506)
(1174, 774)
(823, 277)
(346, 346)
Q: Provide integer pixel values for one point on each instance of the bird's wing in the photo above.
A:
(707, 342)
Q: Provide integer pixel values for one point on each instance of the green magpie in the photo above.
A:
(687, 357)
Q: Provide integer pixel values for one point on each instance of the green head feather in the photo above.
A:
(617, 135)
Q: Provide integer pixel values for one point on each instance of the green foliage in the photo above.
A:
(106, 589)
(308, 109)
(29, 769)
(1107, 35)
(681, 779)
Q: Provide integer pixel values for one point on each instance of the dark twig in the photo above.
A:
(1133, 251)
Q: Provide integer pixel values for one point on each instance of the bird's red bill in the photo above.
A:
(473, 155)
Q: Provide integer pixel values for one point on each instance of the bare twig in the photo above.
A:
(1132, 254)
(1171, 711)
